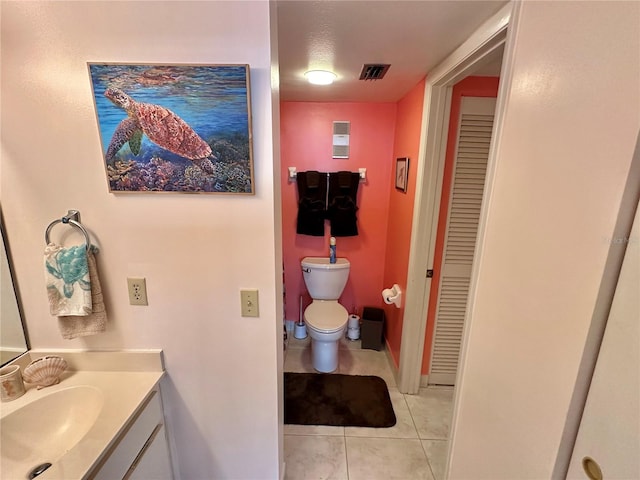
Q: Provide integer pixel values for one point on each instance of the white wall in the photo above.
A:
(570, 122)
(196, 251)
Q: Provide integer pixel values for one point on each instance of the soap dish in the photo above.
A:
(45, 371)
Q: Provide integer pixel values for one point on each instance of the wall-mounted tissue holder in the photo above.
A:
(392, 295)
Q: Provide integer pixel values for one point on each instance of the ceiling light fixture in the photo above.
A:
(320, 77)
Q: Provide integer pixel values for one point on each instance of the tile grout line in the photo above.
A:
(404, 397)
(346, 453)
(433, 474)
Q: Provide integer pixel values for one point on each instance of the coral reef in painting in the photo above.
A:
(231, 172)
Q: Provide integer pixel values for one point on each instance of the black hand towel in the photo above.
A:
(343, 194)
(312, 200)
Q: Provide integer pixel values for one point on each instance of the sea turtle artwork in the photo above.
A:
(174, 128)
(162, 126)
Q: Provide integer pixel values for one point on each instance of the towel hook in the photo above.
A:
(71, 218)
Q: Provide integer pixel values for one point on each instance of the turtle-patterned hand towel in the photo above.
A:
(72, 327)
(67, 279)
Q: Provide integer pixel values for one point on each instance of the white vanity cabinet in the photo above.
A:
(141, 451)
(153, 462)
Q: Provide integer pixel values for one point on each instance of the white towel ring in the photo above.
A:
(66, 220)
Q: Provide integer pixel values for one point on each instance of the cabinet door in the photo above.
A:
(153, 463)
(130, 444)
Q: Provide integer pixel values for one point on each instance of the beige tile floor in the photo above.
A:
(414, 449)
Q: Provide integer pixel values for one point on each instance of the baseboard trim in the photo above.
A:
(392, 364)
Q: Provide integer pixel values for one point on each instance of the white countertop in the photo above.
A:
(123, 394)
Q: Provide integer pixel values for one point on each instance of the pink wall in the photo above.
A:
(469, 87)
(306, 141)
(406, 144)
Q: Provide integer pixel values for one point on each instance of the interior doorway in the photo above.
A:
(478, 50)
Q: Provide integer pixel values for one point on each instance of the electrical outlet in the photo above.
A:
(137, 291)
(249, 303)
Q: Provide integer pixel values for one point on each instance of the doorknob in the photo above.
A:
(592, 469)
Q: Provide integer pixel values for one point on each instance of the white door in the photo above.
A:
(608, 443)
(472, 152)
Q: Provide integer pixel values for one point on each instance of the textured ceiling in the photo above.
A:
(342, 35)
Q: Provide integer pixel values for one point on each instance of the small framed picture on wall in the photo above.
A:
(402, 173)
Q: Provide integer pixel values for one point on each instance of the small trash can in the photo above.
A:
(372, 330)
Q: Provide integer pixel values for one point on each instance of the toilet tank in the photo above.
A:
(324, 280)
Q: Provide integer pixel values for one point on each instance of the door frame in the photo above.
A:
(490, 36)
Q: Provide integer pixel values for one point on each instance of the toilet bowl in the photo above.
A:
(325, 318)
(326, 323)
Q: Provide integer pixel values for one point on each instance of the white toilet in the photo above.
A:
(325, 318)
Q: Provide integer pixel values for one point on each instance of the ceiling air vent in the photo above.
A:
(373, 71)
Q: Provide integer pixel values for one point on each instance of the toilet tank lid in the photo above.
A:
(323, 262)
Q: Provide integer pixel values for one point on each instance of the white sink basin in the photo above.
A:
(74, 424)
(45, 429)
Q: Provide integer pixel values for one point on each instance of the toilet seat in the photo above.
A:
(326, 316)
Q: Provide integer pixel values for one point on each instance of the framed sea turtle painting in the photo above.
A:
(174, 128)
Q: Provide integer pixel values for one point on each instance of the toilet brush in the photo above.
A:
(300, 330)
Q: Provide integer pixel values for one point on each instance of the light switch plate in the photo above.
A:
(249, 302)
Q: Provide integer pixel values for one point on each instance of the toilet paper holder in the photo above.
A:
(392, 295)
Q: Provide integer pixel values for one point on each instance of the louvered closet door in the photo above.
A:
(472, 151)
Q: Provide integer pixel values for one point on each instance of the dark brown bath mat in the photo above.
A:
(337, 400)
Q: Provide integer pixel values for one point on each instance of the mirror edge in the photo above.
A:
(16, 289)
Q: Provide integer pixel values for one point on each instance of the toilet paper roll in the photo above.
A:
(392, 295)
(388, 295)
(353, 332)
